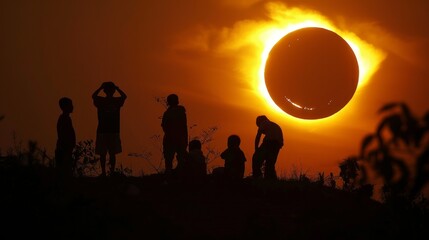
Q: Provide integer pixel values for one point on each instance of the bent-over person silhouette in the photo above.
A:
(267, 152)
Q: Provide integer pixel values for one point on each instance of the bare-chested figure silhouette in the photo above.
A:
(175, 127)
(108, 109)
(66, 140)
(268, 151)
(234, 159)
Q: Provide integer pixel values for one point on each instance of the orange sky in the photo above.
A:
(206, 52)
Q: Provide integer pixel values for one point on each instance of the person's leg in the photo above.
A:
(257, 160)
(103, 164)
(69, 165)
(59, 170)
(270, 170)
(114, 146)
(168, 158)
(271, 159)
(101, 150)
(58, 162)
(181, 155)
(112, 161)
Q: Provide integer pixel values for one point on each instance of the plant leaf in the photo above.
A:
(365, 143)
(389, 106)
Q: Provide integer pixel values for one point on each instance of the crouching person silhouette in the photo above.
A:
(194, 168)
(266, 153)
(234, 159)
(108, 130)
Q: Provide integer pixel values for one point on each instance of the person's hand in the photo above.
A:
(108, 85)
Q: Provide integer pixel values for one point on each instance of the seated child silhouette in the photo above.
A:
(234, 159)
(194, 168)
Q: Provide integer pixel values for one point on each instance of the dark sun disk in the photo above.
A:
(311, 73)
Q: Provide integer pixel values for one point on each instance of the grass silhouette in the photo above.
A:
(34, 203)
(124, 207)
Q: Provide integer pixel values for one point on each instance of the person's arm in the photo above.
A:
(123, 95)
(243, 157)
(223, 154)
(163, 122)
(96, 92)
(72, 136)
(257, 139)
(186, 130)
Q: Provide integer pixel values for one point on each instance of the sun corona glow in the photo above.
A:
(248, 44)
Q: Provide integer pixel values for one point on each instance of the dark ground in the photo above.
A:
(149, 208)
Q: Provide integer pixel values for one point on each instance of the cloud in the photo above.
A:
(247, 42)
(239, 3)
(406, 48)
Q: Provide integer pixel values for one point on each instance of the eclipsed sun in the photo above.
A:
(311, 73)
(310, 69)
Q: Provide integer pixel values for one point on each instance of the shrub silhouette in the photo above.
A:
(32, 155)
(348, 172)
(321, 179)
(398, 152)
(84, 159)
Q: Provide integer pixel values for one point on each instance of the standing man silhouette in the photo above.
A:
(268, 151)
(108, 111)
(66, 141)
(175, 127)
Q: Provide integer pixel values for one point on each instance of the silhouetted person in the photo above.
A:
(108, 130)
(268, 151)
(234, 159)
(175, 127)
(66, 141)
(194, 168)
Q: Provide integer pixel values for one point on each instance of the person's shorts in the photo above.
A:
(108, 143)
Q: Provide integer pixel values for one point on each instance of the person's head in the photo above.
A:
(66, 104)
(172, 100)
(109, 88)
(261, 119)
(234, 141)
(194, 145)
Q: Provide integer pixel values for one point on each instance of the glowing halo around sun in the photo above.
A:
(286, 20)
